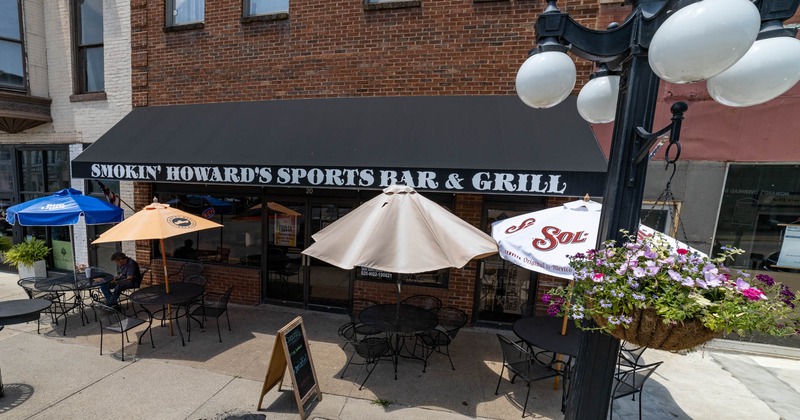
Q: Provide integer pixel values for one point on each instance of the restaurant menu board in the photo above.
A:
(789, 256)
(291, 350)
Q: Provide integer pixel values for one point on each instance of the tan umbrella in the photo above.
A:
(156, 221)
(400, 231)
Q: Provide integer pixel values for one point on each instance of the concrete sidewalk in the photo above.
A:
(55, 376)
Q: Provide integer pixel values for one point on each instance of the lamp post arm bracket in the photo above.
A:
(674, 127)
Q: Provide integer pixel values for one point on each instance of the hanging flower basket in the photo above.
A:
(652, 293)
(649, 330)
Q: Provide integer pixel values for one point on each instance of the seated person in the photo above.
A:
(127, 275)
(186, 251)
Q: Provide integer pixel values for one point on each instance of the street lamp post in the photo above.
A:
(681, 41)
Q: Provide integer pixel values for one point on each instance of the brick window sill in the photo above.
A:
(88, 97)
(393, 5)
(264, 18)
(186, 27)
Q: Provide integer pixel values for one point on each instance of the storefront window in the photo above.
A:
(760, 213)
(758, 204)
(237, 242)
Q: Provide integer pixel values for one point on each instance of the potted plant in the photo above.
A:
(28, 256)
(651, 294)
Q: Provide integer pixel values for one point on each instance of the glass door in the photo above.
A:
(328, 285)
(286, 238)
(504, 287)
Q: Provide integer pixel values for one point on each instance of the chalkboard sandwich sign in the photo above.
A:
(291, 350)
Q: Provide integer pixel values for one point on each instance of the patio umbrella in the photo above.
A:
(156, 221)
(64, 208)
(541, 241)
(400, 231)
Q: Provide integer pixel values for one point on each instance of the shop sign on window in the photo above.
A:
(790, 250)
(285, 230)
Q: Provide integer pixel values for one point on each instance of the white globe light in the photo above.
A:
(703, 39)
(545, 79)
(597, 101)
(770, 68)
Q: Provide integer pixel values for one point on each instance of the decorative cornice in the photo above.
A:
(20, 112)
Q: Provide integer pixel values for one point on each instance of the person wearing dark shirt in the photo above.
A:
(186, 251)
(128, 275)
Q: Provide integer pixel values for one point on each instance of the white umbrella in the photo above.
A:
(400, 231)
(542, 240)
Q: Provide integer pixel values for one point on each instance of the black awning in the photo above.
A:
(490, 144)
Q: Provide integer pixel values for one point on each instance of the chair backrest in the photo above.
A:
(192, 269)
(527, 310)
(138, 281)
(113, 316)
(27, 285)
(222, 301)
(513, 354)
(196, 279)
(348, 333)
(359, 305)
(451, 320)
(431, 303)
(630, 354)
(627, 382)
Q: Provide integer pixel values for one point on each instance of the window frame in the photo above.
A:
(21, 42)
(169, 12)
(247, 14)
(80, 63)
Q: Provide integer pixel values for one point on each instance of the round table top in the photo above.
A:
(21, 310)
(409, 320)
(545, 332)
(179, 292)
(72, 282)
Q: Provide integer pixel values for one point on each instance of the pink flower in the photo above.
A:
(598, 277)
(753, 293)
(682, 251)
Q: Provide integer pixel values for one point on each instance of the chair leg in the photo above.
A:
(229, 320)
(218, 333)
(527, 395)
(122, 340)
(369, 372)
(101, 339)
(500, 378)
(447, 351)
(640, 405)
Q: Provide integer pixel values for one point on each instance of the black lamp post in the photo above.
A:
(667, 29)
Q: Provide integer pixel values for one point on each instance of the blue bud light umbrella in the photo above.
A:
(64, 208)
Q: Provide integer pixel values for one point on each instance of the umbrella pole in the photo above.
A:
(74, 257)
(564, 327)
(166, 280)
(399, 289)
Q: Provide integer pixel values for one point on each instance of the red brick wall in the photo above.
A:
(336, 48)
(246, 282)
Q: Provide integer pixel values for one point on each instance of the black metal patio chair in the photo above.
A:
(521, 363)
(115, 320)
(372, 349)
(213, 305)
(438, 339)
(631, 382)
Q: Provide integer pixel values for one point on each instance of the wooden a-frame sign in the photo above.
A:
(291, 350)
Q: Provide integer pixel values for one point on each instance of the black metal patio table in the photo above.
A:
(399, 321)
(18, 311)
(75, 283)
(180, 295)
